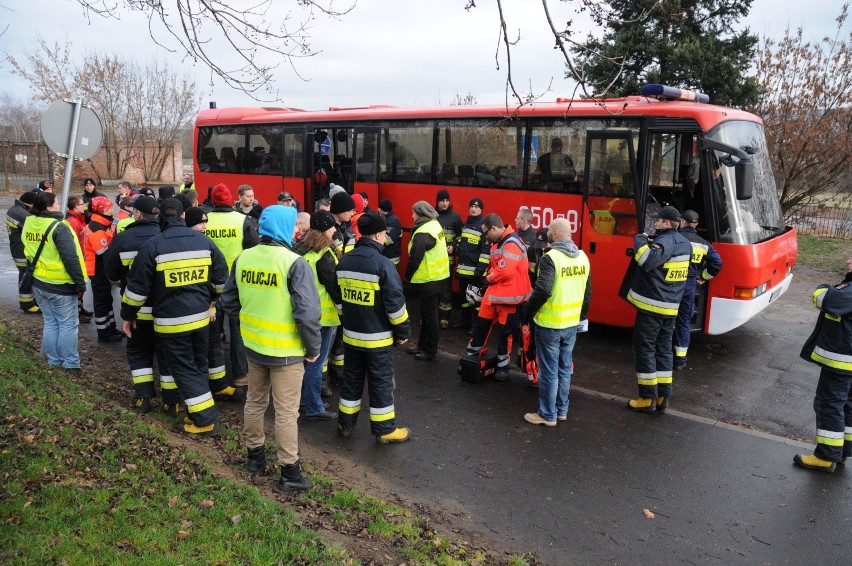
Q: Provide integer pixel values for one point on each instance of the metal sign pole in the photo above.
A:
(69, 159)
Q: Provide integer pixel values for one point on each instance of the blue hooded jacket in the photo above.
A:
(278, 223)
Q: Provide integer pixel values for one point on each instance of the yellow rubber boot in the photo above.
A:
(662, 404)
(399, 435)
(208, 430)
(812, 462)
(641, 405)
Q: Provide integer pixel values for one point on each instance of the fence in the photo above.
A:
(24, 164)
(821, 220)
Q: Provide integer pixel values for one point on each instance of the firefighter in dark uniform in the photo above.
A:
(373, 317)
(184, 272)
(141, 344)
(830, 347)
(474, 253)
(704, 265)
(393, 243)
(15, 218)
(343, 209)
(451, 222)
(233, 232)
(655, 291)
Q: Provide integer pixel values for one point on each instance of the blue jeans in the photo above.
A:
(59, 337)
(554, 349)
(312, 382)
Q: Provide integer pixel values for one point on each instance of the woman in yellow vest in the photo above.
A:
(427, 270)
(319, 250)
(59, 276)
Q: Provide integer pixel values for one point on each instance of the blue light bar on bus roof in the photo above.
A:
(674, 93)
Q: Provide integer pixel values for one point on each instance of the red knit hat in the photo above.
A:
(221, 195)
(100, 205)
(359, 202)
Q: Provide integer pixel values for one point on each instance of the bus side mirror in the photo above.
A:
(744, 174)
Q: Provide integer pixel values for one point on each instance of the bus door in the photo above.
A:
(293, 177)
(364, 170)
(610, 219)
(676, 177)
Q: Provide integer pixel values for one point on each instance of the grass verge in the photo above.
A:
(85, 481)
(829, 254)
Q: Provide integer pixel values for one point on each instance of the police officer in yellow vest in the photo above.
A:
(271, 289)
(428, 270)
(232, 232)
(558, 306)
(58, 276)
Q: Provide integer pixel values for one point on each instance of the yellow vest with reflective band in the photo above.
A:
(50, 268)
(329, 311)
(562, 309)
(226, 230)
(123, 224)
(435, 265)
(266, 313)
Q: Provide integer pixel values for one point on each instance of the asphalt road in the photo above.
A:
(716, 471)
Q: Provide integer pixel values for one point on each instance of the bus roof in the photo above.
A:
(707, 115)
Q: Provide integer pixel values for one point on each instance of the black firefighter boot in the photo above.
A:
(256, 463)
(292, 479)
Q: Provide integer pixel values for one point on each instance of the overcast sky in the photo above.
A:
(400, 52)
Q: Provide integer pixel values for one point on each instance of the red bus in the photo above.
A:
(631, 156)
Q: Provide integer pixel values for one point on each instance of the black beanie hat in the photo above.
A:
(371, 223)
(194, 215)
(342, 202)
(28, 197)
(386, 205)
(443, 194)
(478, 201)
(322, 221)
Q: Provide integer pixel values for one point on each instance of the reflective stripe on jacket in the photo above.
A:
(562, 309)
(50, 267)
(329, 311)
(658, 284)
(226, 230)
(830, 344)
(508, 282)
(372, 308)
(435, 265)
(267, 324)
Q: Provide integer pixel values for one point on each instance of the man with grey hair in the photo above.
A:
(303, 224)
(558, 308)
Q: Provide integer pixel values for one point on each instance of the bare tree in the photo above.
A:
(260, 42)
(807, 107)
(19, 120)
(565, 43)
(139, 106)
(167, 104)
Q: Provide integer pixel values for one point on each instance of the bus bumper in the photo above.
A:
(727, 314)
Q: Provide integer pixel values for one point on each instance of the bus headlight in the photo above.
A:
(750, 292)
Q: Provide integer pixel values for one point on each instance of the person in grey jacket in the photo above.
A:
(271, 288)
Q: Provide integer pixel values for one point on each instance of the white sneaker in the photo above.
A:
(535, 418)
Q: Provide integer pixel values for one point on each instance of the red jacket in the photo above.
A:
(98, 235)
(78, 224)
(508, 282)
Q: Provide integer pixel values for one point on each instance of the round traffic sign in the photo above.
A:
(56, 125)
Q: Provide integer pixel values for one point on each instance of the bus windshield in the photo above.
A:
(758, 218)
